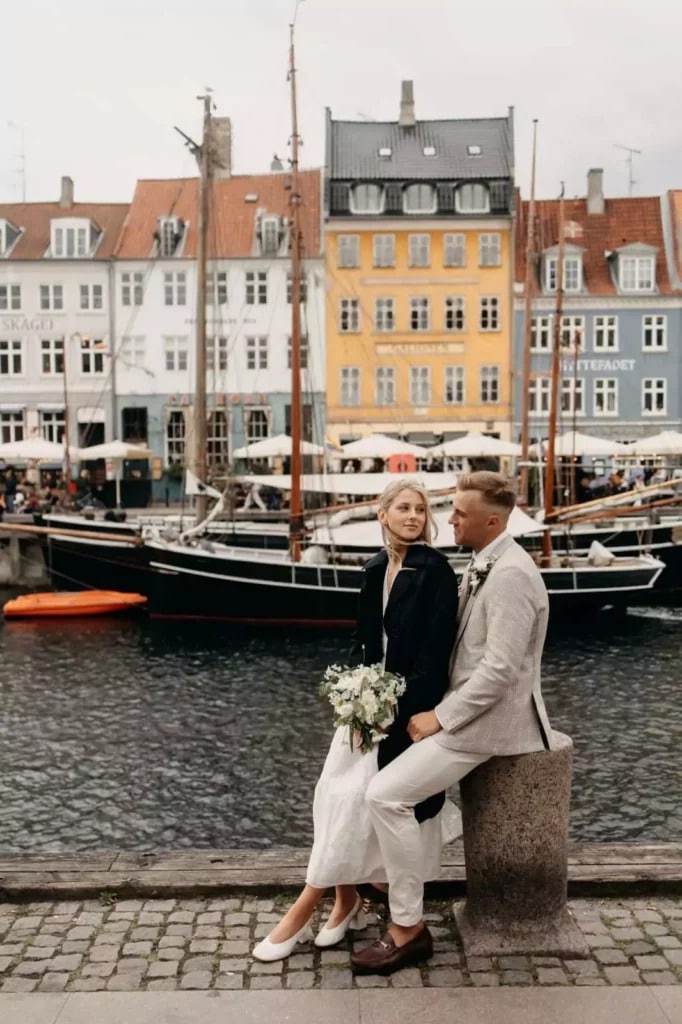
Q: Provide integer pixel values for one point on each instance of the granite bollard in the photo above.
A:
(515, 815)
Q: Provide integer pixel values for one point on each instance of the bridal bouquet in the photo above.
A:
(363, 699)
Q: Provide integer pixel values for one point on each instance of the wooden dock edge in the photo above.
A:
(594, 870)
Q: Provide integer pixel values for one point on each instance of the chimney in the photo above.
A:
(407, 105)
(221, 147)
(66, 198)
(595, 191)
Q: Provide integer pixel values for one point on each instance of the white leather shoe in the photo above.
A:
(267, 951)
(357, 920)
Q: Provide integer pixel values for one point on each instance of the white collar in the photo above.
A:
(487, 551)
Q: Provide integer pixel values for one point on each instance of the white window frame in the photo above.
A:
(572, 327)
(571, 389)
(489, 384)
(256, 287)
(264, 423)
(11, 426)
(51, 297)
(572, 273)
(369, 209)
(454, 319)
(176, 353)
(91, 296)
(216, 288)
(218, 438)
(384, 314)
(605, 334)
(133, 350)
(175, 288)
(11, 354)
(70, 238)
(651, 387)
(53, 349)
(349, 316)
(419, 189)
(541, 328)
(304, 351)
(257, 352)
(217, 345)
(455, 385)
(642, 270)
(92, 352)
(348, 252)
(656, 326)
(454, 249)
(539, 396)
(270, 230)
(420, 385)
(52, 425)
(420, 313)
(10, 298)
(477, 191)
(489, 309)
(490, 249)
(132, 288)
(384, 383)
(175, 437)
(169, 227)
(303, 288)
(419, 250)
(349, 391)
(606, 389)
(383, 250)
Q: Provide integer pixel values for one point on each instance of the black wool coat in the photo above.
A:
(420, 623)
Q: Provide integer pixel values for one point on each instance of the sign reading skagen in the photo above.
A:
(609, 365)
(409, 348)
(25, 323)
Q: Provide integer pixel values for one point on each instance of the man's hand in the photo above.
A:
(422, 725)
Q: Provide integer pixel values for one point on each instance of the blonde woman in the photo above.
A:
(407, 616)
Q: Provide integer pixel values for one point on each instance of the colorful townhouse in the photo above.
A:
(418, 225)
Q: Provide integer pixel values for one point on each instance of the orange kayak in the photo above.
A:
(82, 602)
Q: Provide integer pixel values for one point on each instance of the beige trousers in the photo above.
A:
(422, 770)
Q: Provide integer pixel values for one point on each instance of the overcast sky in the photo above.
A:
(97, 86)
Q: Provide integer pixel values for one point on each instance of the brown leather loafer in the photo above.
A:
(384, 957)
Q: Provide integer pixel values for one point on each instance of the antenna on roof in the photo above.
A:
(628, 160)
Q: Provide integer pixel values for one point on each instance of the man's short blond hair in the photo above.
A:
(496, 489)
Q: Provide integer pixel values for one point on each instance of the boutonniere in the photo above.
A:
(478, 574)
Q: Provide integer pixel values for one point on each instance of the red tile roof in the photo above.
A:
(232, 219)
(675, 199)
(625, 221)
(35, 219)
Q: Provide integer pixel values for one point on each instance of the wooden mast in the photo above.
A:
(528, 334)
(200, 425)
(295, 510)
(554, 397)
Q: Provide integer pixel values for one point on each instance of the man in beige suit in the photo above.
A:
(493, 706)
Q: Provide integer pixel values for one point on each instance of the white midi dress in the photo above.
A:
(345, 847)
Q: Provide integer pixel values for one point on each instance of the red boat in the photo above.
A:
(82, 602)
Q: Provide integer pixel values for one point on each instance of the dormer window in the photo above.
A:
(419, 199)
(573, 273)
(367, 199)
(169, 235)
(429, 151)
(472, 198)
(72, 238)
(8, 235)
(636, 273)
(473, 150)
(270, 235)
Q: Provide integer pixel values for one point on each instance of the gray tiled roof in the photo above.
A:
(355, 149)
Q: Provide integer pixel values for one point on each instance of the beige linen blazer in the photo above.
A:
(494, 704)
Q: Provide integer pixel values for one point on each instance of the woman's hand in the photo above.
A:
(422, 725)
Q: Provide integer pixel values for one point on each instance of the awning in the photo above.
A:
(425, 437)
(88, 414)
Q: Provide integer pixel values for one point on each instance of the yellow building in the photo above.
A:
(419, 271)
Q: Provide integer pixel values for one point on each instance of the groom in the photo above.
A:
(493, 706)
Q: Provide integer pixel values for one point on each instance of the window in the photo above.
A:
(169, 235)
(51, 296)
(69, 242)
(605, 396)
(134, 424)
(572, 273)
(132, 350)
(572, 395)
(349, 316)
(419, 199)
(636, 273)
(384, 377)
(539, 394)
(304, 352)
(367, 199)
(489, 313)
(348, 251)
(91, 296)
(216, 354)
(472, 199)
(52, 425)
(10, 296)
(8, 235)
(11, 426)
(454, 313)
(541, 334)
(175, 349)
(257, 353)
(270, 236)
(132, 289)
(490, 383)
(454, 251)
(420, 314)
(473, 150)
(92, 355)
(420, 385)
(605, 333)
(216, 288)
(52, 355)
(489, 250)
(384, 250)
(572, 332)
(217, 439)
(419, 249)
(384, 315)
(454, 385)
(654, 399)
(257, 288)
(11, 357)
(654, 333)
(350, 385)
(175, 288)
(303, 289)
(175, 438)
(257, 425)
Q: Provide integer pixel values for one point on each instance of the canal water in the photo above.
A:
(134, 735)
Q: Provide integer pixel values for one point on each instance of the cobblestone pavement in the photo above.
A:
(135, 945)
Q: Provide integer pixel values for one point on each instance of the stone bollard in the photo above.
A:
(515, 815)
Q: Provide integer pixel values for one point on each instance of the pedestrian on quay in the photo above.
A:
(407, 615)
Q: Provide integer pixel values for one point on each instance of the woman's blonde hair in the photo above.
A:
(386, 499)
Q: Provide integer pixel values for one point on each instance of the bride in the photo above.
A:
(406, 619)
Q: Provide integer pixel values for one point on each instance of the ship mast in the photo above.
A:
(528, 333)
(295, 241)
(199, 434)
(554, 395)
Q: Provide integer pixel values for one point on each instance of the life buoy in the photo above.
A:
(402, 464)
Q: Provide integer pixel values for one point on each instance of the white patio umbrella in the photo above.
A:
(669, 442)
(116, 452)
(379, 446)
(33, 449)
(474, 445)
(572, 442)
(270, 447)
